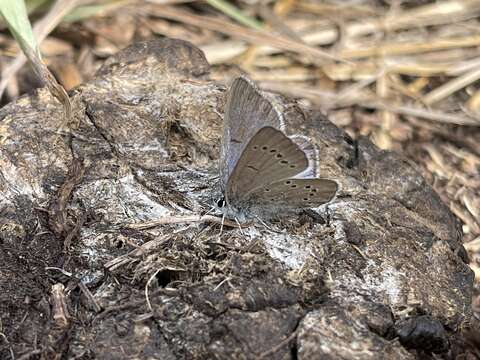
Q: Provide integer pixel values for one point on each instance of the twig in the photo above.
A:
(59, 306)
(83, 288)
(184, 219)
(88, 294)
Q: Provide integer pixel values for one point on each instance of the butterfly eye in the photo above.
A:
(221, 203)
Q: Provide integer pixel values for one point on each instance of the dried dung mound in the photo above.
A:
(111, 248)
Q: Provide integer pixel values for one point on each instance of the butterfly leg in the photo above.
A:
(265, 225)
(221, 226)
(239, 226)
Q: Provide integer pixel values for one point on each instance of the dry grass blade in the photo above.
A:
(447, 12)
(169, 2)
(433, 115)
(352, 96)
(437, 13)
(452, 86)
(410, 48)
(278, 24)
(252, 36)
(473, 104)
(432, 14)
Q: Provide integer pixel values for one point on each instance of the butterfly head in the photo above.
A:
(240, 212)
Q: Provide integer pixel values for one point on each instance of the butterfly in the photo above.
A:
(261, 168)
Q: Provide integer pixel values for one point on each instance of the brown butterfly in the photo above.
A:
(260, 166)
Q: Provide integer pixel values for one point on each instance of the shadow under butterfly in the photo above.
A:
(264, 172)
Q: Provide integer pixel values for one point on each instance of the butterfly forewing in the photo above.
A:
(297, 192)
(246, 112)
(269, 156)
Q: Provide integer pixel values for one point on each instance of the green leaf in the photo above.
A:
(15, 15)
(235, 13)
(34, 5)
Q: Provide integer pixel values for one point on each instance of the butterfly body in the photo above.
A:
(262, 169)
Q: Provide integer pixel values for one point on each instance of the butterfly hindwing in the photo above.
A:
(270, 155)
(311, 151)
(299, 193)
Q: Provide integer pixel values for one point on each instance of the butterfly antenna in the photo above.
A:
(212, 209)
